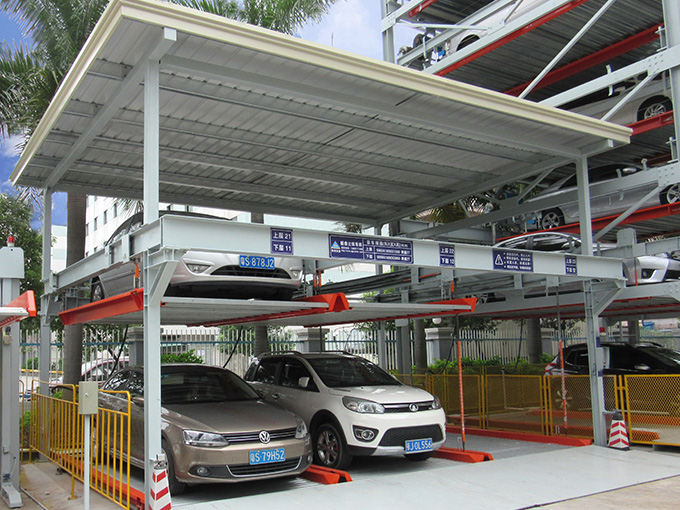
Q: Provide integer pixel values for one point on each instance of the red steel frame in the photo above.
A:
(603, 55)
(511, 37)
(133, 301)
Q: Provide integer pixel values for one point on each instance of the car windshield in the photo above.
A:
(663, 354)
(340, 372)
(200, 387)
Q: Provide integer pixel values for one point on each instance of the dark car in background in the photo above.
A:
(619, 359)
(215, 428)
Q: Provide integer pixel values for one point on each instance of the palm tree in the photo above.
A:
(29, 78)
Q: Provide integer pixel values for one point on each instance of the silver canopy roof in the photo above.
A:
(255, 120)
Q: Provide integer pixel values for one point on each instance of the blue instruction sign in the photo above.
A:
(513, 260)
(570, 266)
(281, 241)
(370, 249)
(447, 255)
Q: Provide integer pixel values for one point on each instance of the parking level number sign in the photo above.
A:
(447, 255)
(371, 249)
(507, 260)
(570, 267)
(281, 241)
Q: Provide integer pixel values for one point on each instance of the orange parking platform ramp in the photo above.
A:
(326, 476)
(25, 304)
(121, 304)
(459, 455)
(523, 436)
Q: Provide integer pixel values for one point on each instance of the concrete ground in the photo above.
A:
(522, 475)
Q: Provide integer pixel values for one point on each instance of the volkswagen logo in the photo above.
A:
(413, 407)
(265, 437)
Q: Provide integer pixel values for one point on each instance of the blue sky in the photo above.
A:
(352, 25)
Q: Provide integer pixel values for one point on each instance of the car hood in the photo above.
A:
(230, 417)
(384, 394)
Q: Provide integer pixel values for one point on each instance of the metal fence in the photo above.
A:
(57, 431)
(216, 346)
(539, 404)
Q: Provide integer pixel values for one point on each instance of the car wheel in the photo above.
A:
(467, 41)
(670, 195)
(419, 457)
(176, 487)
(558, 399)
(96, 291)
(653, 107)
(330, 449)
(552, 218)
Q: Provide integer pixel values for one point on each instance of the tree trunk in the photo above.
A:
(534, 340)
(75, 251)
(420, 346)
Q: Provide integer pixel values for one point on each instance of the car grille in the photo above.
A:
(251, 272)
(404, 408)
(397, 437)
(243, 470)
(254, 437)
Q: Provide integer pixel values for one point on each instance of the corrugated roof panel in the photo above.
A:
(282, 123)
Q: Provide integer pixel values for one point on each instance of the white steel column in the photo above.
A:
(152, 300)
(387, 35)
(671, 14)
(11, 272)
(45, 299)
(595, 355)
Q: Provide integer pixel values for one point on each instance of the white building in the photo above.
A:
(58, 248)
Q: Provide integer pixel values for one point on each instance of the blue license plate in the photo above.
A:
(418, 445)
(268, 456)
(256, 262)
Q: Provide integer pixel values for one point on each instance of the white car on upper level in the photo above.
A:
(614, 202)
(207, 274)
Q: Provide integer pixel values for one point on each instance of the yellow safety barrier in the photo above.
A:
(57, 432)
(547, 405)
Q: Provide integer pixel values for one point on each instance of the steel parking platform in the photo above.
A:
(321, 310)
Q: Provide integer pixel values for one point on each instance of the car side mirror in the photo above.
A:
(138, 400)
(303, 382)
(642, 367)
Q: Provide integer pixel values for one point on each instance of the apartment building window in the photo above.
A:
(94, 225)
(104, 220)
(114, 211)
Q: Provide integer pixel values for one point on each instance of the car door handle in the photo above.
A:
(275, 396)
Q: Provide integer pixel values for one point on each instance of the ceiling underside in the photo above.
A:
(258, 121)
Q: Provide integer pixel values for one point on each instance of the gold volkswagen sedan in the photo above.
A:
(215, 428)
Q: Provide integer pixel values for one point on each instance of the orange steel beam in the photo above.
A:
(523, 436)
(113, 306)
(25, 301)
(511, 37)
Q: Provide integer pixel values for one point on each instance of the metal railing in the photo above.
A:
(539, 404)
(57, 432)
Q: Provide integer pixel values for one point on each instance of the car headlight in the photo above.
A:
(197, 268)
(436, 403)
(301, 430)
(205, 439)
(362, 406)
